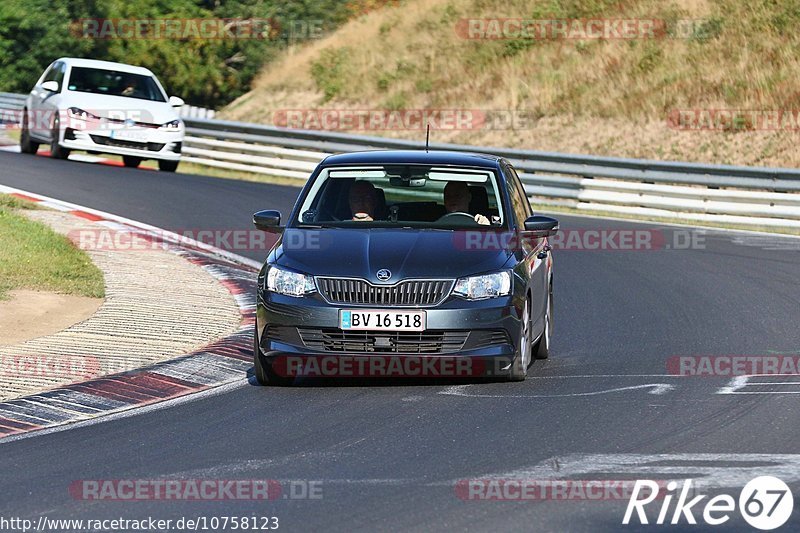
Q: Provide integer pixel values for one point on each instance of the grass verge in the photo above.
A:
(32, 256)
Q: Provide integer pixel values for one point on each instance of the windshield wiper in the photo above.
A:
(306, 225)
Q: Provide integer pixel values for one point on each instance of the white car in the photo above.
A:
(103, 107)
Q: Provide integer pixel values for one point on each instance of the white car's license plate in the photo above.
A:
(352, 319)
(129, 135)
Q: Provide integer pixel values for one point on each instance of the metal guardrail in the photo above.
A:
(751, 196)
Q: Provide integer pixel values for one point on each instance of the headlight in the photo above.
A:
(172, 125)
(76, 112)
(482, 287)
(289, 283)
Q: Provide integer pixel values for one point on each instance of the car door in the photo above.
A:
(532, 250)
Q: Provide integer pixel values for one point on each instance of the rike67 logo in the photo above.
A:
(765, 503)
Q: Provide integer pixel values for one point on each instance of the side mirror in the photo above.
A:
(176, 101)
(268, 220)
(51, 86)
(541, 226)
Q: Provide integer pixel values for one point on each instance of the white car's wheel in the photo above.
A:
(130, 161)
(56, 150)
(167, 166)
(26, 145)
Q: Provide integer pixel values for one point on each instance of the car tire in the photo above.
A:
(519, 367)
(130, 161)
(56, 150)
(542, 348)
(26, 145)
(263, 370)
(167, 166)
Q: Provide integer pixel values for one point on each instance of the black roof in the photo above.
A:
(413, 157)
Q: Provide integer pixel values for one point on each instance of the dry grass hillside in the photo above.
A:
(611, 96)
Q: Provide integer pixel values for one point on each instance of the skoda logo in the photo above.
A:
(384, 274)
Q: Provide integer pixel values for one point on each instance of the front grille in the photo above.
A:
(140, 124)
(108, 141)
(409, 342)
(362, 292)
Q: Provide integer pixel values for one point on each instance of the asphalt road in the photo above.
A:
(388, 455)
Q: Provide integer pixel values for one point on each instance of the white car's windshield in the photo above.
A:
(407, 195)
(114, 83)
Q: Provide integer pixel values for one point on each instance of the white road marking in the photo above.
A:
(86, 158)
(461, 390)
(733, 385)
(414, 398)
(738, 383)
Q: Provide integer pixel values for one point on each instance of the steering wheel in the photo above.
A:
(311, 216)
(457, 217)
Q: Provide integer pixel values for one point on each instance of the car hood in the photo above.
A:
(104, 106)
(406, 253)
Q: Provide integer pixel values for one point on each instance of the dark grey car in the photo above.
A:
(406, 264)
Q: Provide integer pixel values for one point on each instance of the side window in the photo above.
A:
(519, 202)
(55, 73)
(50, 75)
(60, 68)
(521, 189)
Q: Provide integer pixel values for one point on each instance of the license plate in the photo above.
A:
(382, 320)
(129, 135)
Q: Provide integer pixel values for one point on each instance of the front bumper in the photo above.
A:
(464, 339)
(149, 143)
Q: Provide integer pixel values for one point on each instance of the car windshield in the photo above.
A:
(404, 195)
(114, 83)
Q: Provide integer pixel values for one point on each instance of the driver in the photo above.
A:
(129, 87)
(363, 200)
(457, 198)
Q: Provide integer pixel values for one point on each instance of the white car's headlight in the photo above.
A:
(172, 125)
(482, 287)
(76, 112)
(289, 283)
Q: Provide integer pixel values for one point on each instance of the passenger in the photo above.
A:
(457, 198)
(363, 200)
